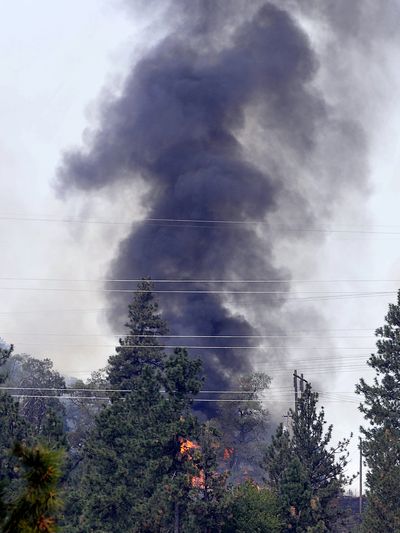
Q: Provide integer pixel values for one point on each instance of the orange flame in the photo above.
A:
(186, 445)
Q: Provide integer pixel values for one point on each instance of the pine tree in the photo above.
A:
(140, 347)
(33, 510)
(137, 366)
(305, 471)
(278, 456)
(12, 428)
(209, 497)
(52, 432)
(244, 425)
(27, 371)
(134, 472)
(135, 477)
(253, 509)
(381, 443)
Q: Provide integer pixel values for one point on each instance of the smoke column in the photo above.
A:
(229, 76)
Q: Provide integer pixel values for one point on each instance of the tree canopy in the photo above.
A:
(306, 472)
(381, 435)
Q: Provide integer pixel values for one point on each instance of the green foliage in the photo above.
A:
(296, 496)
(33, 510)
(52, 431)
(278, 456)
(13, 428)
(253, 510)
(27, 371)
(381, 443)
(140, 347)
(134, 476)
(5, 354)
(134, 473)
(307, 474)
(81, 414)
(209, 498)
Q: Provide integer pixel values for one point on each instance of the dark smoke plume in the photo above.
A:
(230, 75)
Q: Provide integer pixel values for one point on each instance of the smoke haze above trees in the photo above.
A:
(224, 119)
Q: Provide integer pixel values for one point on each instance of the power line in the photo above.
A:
(275, 368)
(165, 280)
(156, 336)
(201, 222)
(279, 390)
(207, 400)
(88, 389)
(200, 291)
(95, 310)
(328, 296)
(144, 346)
(90, 398)
(372, 328)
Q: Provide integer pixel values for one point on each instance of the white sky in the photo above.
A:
(56, 58)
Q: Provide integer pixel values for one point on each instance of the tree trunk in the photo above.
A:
(176, 524)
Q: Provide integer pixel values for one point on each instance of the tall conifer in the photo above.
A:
(381, 443)
(306, 472)
(140, 347)
(135, 477)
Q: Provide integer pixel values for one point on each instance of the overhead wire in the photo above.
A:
(106, 398)
(274, 390)
(171, 346)
(91, 389)
(319, 293)
(200, 222)
(183, 280)
(144, 336)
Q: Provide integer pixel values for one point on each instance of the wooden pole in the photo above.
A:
(296, 396)
(361, 474)
(176, 524)
(302, 384)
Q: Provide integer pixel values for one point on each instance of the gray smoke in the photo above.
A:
(223, 120)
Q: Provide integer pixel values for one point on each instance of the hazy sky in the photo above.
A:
(57, 58)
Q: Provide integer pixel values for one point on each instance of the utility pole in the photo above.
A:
(361, 474)
(296, 396)
(302, 380)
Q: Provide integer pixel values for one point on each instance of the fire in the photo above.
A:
(198, 482)
(185, 448)
(228, 453)
(186, 445)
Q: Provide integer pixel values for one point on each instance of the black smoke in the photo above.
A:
(184, 122)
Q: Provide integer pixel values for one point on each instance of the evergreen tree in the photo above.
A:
(136, 477)
(5, 354)
(140, 347)
(253, 509)
(278, 456)
(381, 444)
(12, 427)
(209, 498)
(26, 371)
(244, 426)
(33, 510)
(308, 474)
(52, 432)
(134, 474)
